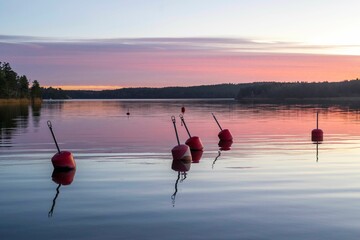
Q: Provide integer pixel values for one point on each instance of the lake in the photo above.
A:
(271, 183)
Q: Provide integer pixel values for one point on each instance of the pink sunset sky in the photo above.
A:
(90, 49)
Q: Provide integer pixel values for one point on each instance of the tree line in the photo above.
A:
(205, 91)
(258, 90)
(299, 90)
(15, 86)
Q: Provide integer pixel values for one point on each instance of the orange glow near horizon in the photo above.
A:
(86, 87)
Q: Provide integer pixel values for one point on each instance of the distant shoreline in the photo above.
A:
(301, 100)
(20, 101)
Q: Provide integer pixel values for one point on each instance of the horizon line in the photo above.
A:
(111, 87)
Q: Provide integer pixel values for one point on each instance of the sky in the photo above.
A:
(78, 44)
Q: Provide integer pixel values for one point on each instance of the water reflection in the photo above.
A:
(223, 146)
(182, 167)
(36, 113)
(12, 118)
(196, 155)
(317, 150)
(61, 177)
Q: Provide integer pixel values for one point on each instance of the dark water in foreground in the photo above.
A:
(272, 184)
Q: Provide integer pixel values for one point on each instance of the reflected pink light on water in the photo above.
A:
(104, 124)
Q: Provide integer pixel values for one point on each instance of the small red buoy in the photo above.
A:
(196, 156)
(63, 177)
(224, 134)
(317, 134)
(182, 109)
(225, 145)
(193, 142)
(128, 112)
(62, 159)
(181, 151)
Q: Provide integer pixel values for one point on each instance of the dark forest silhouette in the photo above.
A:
(13, 86)
(278, 91)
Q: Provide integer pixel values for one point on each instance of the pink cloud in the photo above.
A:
(170, 62)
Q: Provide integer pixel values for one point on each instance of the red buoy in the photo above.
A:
(225, 145)
(196, 156)
(317, 134)
(224, 134)
(193, 142)
(182, 109)
(181, 151)
(63, 177)
(62, 159)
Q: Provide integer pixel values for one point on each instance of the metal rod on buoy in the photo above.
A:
(216, 121)
(177, 136)
(317, 120)
(183, 121)
(52, 133)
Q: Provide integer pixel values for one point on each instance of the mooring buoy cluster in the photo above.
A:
(193, 144)
(191, 151)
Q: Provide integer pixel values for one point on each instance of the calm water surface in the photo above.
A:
(273, 183)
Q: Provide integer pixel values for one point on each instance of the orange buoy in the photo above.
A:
(193, 142)
(225, 145)
(61, 159)
(224, 134)
(181, 151)
(317, 134)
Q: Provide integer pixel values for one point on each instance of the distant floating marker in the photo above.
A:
(317, 134)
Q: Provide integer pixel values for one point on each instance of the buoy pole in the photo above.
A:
(52, 133)
(183, 121)
(317, 120)
(217, 121)
(177, 136)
